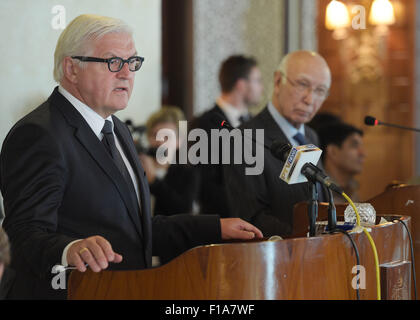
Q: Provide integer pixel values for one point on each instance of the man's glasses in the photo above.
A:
(115, 64)
(302, 86)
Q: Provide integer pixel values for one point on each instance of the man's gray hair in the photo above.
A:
(4, 248)
(77, 37)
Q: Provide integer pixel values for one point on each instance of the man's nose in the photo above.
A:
(308, 97)
(125, 72)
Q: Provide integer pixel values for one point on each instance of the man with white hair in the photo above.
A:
(74, 190)
(301, 85)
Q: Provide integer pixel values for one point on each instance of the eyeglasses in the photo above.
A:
(115, 64)
(302, 86)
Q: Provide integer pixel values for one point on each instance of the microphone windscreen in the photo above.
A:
(280, 150)
(220, 122)
(370, 121)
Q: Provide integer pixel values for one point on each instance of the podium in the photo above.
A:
(320, 267)
(399, 199)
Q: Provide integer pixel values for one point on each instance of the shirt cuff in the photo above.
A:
(64, 255)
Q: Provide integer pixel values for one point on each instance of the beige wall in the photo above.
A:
(226, 27)
(27, 48)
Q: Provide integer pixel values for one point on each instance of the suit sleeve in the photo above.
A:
(175, 234)
(248, 198)
(176, 192)
(33, 179)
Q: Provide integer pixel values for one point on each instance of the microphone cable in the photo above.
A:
(372, 243)
(413, 266)
(356, 251)
(332, 212)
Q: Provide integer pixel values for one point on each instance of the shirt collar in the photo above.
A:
(233, 114)
(288, 129)
(94, 120)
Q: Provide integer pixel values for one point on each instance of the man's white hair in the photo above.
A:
(77, 37)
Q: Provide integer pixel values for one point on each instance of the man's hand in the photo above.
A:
(96, 251)
(235, 228)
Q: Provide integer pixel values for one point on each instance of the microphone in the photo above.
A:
(372, 121)
(300, 164)
(222, 123)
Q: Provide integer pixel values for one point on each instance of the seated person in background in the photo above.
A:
(322, 119)
(301, 85)
(174, 186)
(4, 251)
(343, 156)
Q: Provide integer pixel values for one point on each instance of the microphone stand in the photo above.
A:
(313, 210)
(332, 215)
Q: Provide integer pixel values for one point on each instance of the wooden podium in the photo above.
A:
(399, 200)
(298, 268)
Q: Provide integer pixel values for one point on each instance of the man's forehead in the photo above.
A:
(115, 44)
(320, 78)
(355, 138)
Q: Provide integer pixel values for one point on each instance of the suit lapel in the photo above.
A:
(94, 147)
(129, 150)
(219, 112)
(272, 131)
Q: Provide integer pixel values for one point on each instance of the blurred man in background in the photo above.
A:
(343, 156)
(241, 85)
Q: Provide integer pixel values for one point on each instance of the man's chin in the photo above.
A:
(117, 107)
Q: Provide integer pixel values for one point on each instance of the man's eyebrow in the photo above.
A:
(114, 55)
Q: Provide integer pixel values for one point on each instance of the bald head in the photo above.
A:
(300, 61)
(301, 85)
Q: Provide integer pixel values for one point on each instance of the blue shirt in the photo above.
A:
(287, 128)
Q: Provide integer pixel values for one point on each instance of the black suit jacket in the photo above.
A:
(59, 184)
(212, 194)
(265, 200)
(176, 192)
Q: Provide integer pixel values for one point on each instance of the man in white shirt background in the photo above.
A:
(241, 87)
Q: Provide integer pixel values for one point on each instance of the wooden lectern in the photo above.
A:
(320, 267)
(399, 200)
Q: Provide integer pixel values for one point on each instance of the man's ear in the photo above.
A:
(332, 152)
(70, 69)
(278, 78)
(241, 85)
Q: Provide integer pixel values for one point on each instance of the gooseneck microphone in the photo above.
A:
(372, 121)
(283, 152)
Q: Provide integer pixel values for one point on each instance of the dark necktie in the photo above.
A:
(244, 118)
(300, 138)
(109, 143)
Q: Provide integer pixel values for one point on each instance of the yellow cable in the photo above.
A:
(372, 243)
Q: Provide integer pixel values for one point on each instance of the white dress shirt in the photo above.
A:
(232, 113)
(96, 123)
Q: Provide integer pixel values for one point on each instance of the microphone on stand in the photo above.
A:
(372, 121)
(300, 164)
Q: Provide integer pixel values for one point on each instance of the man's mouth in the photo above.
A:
(121, 89)
(302, 113)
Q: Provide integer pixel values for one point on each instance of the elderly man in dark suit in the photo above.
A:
(301, 84)
(74, 190)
